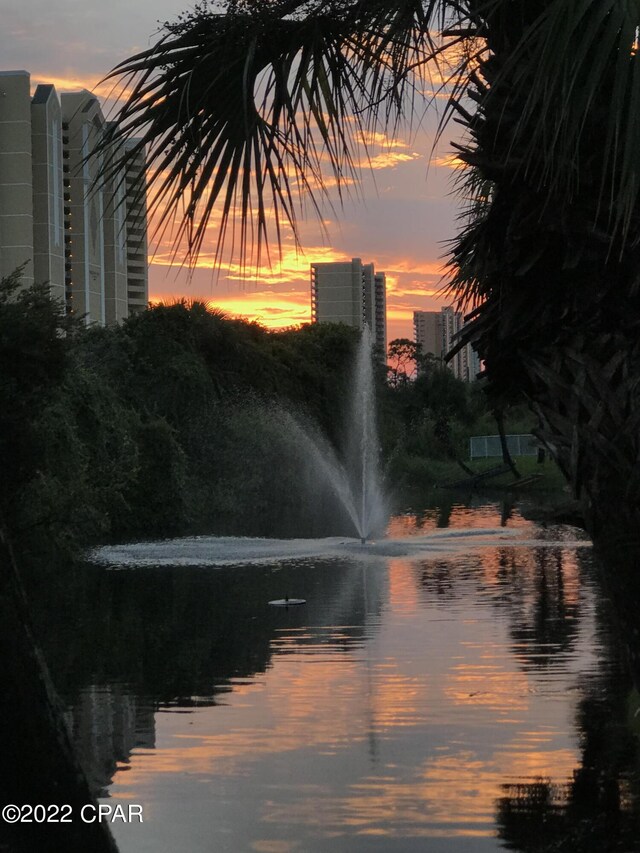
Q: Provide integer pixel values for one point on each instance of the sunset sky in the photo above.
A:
(401, 219)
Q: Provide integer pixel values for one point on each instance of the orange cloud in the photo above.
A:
(291, 267)
(257, 290)
(274, 312)
(381, 138)
(278, 296)
(448, 161)
(389, 159)
(107, 90)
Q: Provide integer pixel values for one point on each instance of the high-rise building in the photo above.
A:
(427, 328)
(352, 293)
(48, 206)
(437, 333)
(84, 236)
(465, 363)
(116, 241)
(16, 179)
(136, 228)
(380, 301)
(83, 127)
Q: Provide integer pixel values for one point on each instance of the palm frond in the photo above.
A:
(573, 70)
(248, 112)
(552, 147)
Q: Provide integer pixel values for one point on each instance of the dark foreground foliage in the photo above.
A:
(165, 424)
(183, 420)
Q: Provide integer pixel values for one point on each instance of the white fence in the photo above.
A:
(483, 446)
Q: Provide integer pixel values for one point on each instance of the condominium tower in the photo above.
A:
(437, 333)
(427, 327)
(85, 238)
(352, 293)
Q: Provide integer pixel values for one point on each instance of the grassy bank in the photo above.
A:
(422, 472)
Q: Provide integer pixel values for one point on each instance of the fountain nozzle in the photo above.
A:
(363, 540)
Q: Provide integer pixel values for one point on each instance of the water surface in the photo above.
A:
(463, 700)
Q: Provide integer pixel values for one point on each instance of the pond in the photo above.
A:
(465, 700)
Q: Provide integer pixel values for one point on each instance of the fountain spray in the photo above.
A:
(362, 445)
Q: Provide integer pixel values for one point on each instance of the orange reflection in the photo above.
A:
(452, 796)
(403, 593)
(493, 686)
(443, 674)
(328, 702)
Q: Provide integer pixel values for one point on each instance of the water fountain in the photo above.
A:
(362, 462)
(354, 477)
(355, 481)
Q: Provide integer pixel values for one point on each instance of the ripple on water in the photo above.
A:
(394, 712)
(220, 551)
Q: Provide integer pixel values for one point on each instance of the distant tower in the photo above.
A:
(115, 239)
(381, 312)
(83, 127)
(465, 364)
(61, 219)
(136, 223)
(352, 293)
(16, 177)
(48, 208)
(427, 329)
(436, 332)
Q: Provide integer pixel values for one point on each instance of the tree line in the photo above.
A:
(158, 426)
(178, 419)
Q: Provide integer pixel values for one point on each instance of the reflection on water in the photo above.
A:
(463, 702)
(449, 513)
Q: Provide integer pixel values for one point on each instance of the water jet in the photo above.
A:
(362, 450)
(352, 473)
